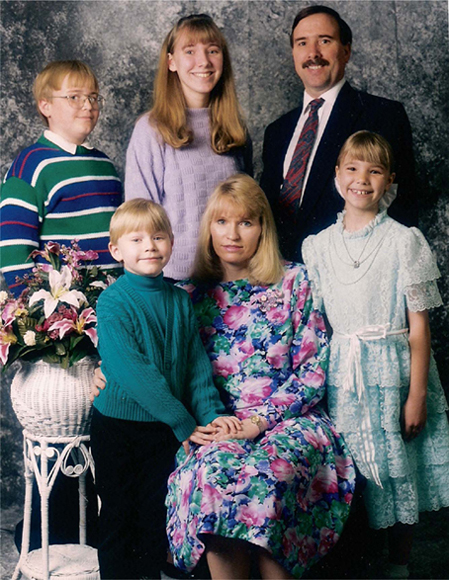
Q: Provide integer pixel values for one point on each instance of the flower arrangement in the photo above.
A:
(54, 318)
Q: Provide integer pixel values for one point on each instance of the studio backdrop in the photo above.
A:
(400, 51)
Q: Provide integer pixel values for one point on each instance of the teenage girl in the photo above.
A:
(194, 136)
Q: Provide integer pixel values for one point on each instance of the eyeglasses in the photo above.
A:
(78, 101)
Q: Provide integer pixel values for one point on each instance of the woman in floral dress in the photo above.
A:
(280, 493)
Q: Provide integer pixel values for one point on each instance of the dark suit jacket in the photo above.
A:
(353, 111)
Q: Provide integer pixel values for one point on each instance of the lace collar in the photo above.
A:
(380, 217)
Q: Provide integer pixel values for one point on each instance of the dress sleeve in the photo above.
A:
(309, 356)
(419, 273)
(310, 260)
(144, 173)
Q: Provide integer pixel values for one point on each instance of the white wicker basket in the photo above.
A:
(51, 401)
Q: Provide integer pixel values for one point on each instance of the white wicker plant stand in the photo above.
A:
(62, 561)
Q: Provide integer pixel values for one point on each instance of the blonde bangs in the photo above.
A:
(368, 147)
(139, 215)
(198, 32)
(200, 29)
(243, 192)
(81, 78)
(247, 210)
(53, 75)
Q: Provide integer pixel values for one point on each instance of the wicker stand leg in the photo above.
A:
(29, 479)
(61, 560)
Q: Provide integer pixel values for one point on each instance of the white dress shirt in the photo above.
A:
(324, 113)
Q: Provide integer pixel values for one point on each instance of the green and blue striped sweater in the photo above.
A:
(51, 195)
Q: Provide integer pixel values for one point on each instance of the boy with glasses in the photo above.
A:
(59, 188)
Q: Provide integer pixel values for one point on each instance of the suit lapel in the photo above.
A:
(346, 111)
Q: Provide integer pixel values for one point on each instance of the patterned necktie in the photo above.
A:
(291, 190)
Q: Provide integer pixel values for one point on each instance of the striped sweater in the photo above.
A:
(51, 195)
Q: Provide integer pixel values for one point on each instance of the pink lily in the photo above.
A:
(8, 312)
(7, 338)
(60, 283)
(50, 248)
(86, 317)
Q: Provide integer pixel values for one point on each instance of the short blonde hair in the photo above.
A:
(139, 215)
(266, 266)
(52, 76)
(367, 146)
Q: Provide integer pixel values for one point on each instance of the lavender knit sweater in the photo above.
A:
(181, 180)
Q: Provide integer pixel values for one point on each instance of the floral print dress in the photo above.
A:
(289, 490)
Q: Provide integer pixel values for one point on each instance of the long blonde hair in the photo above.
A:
(169, 115)
(266, 266)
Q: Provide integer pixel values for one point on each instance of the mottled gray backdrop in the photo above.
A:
(400, 51)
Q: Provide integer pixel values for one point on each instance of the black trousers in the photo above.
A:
(132, 463)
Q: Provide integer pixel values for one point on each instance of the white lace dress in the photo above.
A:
(369, 369)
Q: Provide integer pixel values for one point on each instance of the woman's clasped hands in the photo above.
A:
(220, 429)
(227, 427)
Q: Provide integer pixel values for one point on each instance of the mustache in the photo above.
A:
(315, 62)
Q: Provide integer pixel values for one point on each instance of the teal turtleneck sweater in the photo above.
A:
(152, 356)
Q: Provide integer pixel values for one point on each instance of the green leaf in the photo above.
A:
(55, 261)
(51, 358)
(25, 324)
(78, 355)
(60, 348)
(16, 353)
(41, 340)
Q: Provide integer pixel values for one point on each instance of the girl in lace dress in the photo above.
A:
(376, 280)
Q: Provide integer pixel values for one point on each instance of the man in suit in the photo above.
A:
(321, 46)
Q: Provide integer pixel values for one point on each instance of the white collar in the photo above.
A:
(329, 96)
(63, 143)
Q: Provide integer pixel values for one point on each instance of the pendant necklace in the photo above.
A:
(356, 263)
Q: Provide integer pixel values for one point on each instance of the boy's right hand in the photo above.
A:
(203, 435)
(99, 383)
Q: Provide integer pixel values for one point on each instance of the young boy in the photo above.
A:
(60, 188)
(158, 387)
